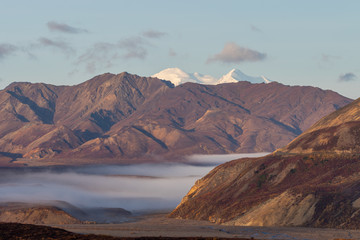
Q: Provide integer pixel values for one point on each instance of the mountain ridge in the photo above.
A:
(236, 75)
(311, 182)
(113, 118)
(178, 76)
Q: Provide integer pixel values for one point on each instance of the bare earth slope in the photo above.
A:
(337, 133)
(34, 214)
(313, 181)
(117, 118)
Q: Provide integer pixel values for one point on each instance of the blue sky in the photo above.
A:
(293, 42)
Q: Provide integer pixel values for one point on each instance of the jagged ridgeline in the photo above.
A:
(127, 118)
(313, 181)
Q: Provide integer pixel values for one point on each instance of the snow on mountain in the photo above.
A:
(236, 75)
(205, 79)
(178, 76)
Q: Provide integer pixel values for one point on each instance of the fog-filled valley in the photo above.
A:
(102, 189)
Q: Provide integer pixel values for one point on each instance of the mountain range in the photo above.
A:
(122, 118)
(313, 181)
(178, 76)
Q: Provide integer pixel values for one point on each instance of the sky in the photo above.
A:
(293, 42)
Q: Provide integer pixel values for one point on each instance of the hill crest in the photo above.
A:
(115, 118)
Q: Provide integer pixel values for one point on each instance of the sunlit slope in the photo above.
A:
(313, 181)
(338, 132)
(127, 118)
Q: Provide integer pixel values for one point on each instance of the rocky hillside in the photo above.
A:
(59, 212)
(337, 133)
(34, 214)
(314, 181)
(121, 118)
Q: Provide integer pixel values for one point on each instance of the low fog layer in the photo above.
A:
(132, 187)
(217, 159)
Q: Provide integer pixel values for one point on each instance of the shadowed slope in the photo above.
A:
(124, 118)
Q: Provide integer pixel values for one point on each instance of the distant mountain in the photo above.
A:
(178, 76)
(313, 181)
(126, 118)
(235, 75)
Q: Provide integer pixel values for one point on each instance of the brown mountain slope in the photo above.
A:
(339, 132)
(34, 214)
(315, 188)
(95, 105)
(193, 118)
(21, 103)
(116, 118)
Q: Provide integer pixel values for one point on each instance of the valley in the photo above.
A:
(132, 147)
(201, 120)
(99, 193)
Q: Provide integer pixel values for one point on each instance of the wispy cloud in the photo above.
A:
(7, 49)
(154, 34)
(347, 77)
(255, 29)
(64, 28)
(55, 44)
(134, 47)
(172, 53)
(232, 53)
(99, 55)
(103, 54)
(328, 58)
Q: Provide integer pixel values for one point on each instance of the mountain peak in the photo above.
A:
(120, 118)
(266, 80)
(235, 75)
(177, 76)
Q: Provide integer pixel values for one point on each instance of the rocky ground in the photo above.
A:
(9, 231)
(161, 226)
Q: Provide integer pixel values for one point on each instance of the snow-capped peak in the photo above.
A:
(235, 75)
(174, 75)
(265, 79)
(178, 76)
